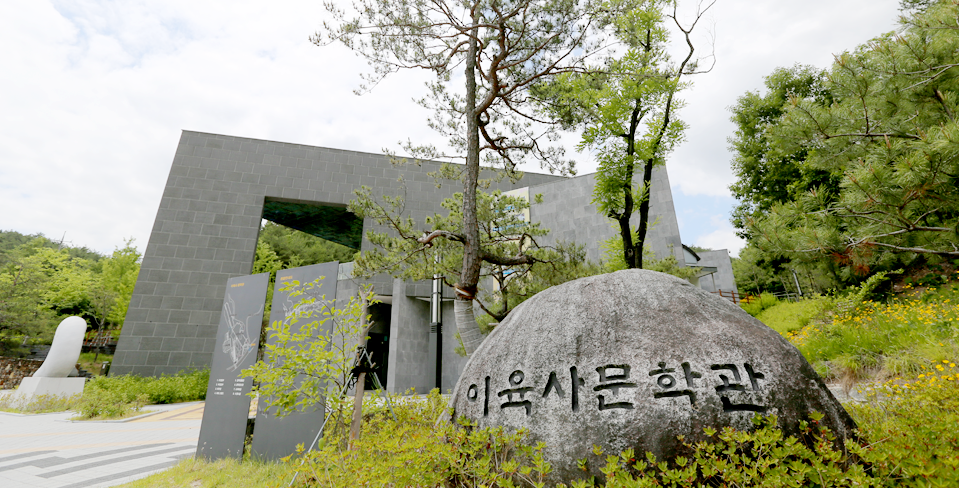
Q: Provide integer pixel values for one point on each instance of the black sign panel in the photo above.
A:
(227, 405)
(275, 437)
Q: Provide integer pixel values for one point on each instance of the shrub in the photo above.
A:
(763, 457)
(108, 404)
(754, 307)
(912, 428)
(182, 387)
(413, 450)
(121, 396)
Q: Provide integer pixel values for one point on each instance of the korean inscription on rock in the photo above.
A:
(615, 387)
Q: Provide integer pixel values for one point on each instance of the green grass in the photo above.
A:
(190, 473)
(39, 404)
(91, 361)
(875, 341)
(787, 317)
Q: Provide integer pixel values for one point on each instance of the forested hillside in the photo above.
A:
(42, 281)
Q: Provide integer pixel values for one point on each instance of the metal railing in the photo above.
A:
(737, 298)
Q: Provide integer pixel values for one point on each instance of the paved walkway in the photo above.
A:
(50, 451)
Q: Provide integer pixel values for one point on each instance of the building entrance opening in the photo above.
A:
(378, 344)
(333, 223)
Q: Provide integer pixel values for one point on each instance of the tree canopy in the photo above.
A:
(871, 147)
(626, 109)
(502, 48)
(42, 281)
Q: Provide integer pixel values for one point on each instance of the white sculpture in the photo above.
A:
(63, 355)
(52, 377)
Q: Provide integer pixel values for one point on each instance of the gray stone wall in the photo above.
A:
(207, 224)
(568, 212)
(723, 278)
(208, 220)
(409, 343)
(14, 370)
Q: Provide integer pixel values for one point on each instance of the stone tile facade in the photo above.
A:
(207, 225)
(568, 212)
(208, 222)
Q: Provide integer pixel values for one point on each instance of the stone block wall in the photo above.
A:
(568, 212)
(723, 278)
(208, 222)
(13, 370)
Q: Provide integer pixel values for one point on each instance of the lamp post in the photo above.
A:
(436, 330)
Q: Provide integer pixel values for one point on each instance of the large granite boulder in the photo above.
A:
(634, 359)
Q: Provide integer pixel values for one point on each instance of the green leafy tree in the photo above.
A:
(110, 290)
(38, 283)
(613, 260)
(311, 356)
(765, 175)
(627, 111)
(513, 258)
(503, 47)
(892, 134)
(22, 309)
(10, 240)
(514, 285)
(294, 248)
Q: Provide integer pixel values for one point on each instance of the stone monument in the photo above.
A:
(53, 376)
(634, 359)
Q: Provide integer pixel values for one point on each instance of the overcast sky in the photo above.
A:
(94, 94)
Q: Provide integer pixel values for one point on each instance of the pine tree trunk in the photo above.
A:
(472, 259)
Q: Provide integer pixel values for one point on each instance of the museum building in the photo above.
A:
(219, 190)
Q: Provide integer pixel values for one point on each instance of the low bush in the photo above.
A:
(97, 404)
(763, 457)
(756, 306)
(183, 387)
(118, 396)
(413, 450)
(121, 396)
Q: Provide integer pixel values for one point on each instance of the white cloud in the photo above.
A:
(723, 238)
(753, 39)
(94, 94)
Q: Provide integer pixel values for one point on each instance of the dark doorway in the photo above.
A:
(379, 342)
